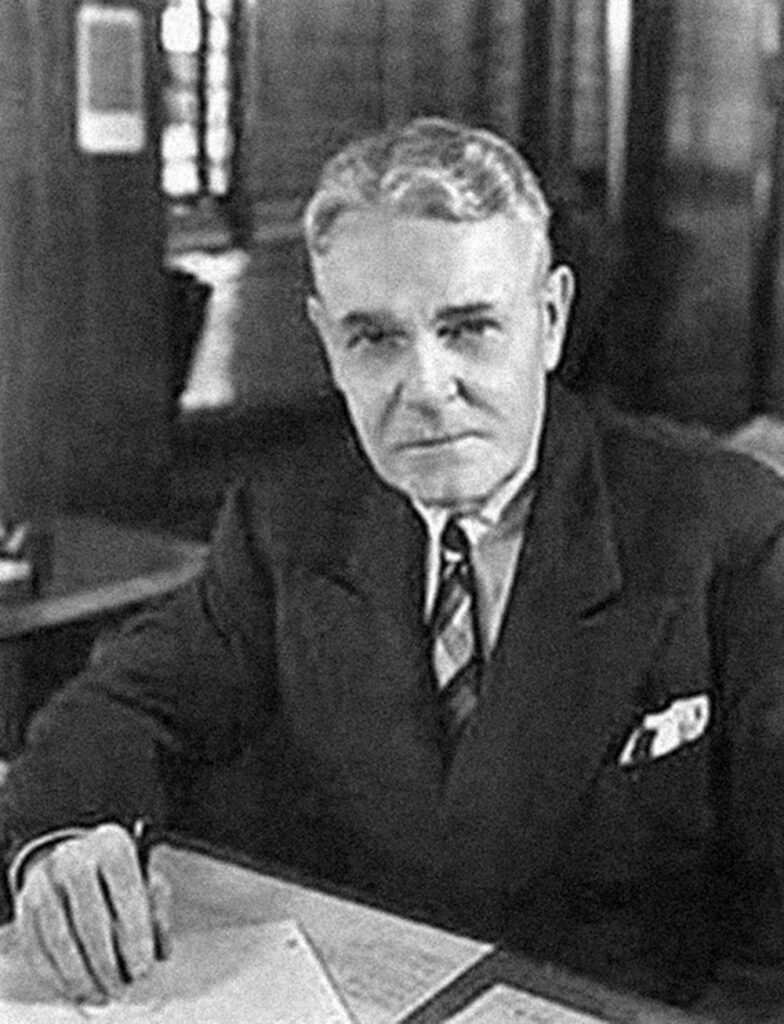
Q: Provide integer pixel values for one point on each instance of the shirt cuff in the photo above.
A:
(20, 861)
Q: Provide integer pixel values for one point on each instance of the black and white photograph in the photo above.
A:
(392, 511)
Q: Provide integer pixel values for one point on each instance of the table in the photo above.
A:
(384, 965)
(100, 572)
(388, 969)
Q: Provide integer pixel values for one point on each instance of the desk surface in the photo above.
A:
(383, 965)
(99, 568)
(388, 969)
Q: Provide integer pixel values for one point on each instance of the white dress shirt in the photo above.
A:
(495, 532)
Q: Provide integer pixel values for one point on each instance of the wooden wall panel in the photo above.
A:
(37, 321)
(82, 356)
(505, 62)
(588, 115)
(315, 82)
(321, 74)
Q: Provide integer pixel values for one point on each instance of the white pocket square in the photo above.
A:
(661, 732)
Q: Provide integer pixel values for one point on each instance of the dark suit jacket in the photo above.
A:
(296, 671)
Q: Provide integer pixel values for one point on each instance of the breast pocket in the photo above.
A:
(657, 817)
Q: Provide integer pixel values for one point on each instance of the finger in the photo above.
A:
(61, 947)
(160, 895)
(34, 918)
(126, 894)
(90, 920)
(34, 951)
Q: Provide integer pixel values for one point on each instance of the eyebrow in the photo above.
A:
(468, 309)
(361, 318)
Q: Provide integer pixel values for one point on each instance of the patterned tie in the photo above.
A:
(455, 637)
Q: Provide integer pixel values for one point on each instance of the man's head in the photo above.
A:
(440, 314)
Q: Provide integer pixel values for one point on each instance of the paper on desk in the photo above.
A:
(254, 974)
(504, 1005)
(386, 975)
(384, 965)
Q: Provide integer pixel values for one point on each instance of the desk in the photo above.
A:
(100, 572)
(383, 965)
(389, 970)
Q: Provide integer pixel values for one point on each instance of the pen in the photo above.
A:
(141, 840)
(141, 834)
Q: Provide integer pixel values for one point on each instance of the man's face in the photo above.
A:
(440, 336)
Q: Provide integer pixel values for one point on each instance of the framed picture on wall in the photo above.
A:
(110, 114)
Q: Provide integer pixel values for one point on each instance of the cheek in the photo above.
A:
(367, 403)
(509, 390)
(516, 405)
(338, 367)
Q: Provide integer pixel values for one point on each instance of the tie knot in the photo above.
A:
(454, 542)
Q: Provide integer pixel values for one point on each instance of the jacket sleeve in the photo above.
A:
(184, 682)
(749, 658)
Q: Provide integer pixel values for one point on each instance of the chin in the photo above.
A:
(454, 483)
(447, 493)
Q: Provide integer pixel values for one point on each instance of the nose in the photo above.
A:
(430, 377)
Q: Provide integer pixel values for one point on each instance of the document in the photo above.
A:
(252, 974)
(385, 976)
(383, 965)
(505, 1005)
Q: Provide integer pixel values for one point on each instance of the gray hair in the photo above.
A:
(429, 167)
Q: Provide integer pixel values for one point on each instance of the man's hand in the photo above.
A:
(88, 922)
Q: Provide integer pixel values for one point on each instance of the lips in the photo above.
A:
(440, 441)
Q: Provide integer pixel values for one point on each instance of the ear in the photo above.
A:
(559, 291)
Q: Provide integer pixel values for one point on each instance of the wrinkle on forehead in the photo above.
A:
(377, 257)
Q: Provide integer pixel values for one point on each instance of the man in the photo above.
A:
(509, 662)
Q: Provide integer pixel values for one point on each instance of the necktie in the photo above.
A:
(455, 638)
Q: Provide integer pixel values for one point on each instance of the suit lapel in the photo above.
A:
(562, 679)
(370, 546)
(362, 581)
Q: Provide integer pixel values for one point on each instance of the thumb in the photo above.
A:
(160, 897)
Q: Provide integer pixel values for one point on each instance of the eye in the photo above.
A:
(475, 328)
(371, 336)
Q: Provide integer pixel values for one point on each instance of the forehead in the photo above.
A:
(379, 259)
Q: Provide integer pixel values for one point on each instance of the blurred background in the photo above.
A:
(153, 338)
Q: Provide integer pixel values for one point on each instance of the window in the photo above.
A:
(197, 137)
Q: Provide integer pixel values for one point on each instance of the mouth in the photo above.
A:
(439, 441)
